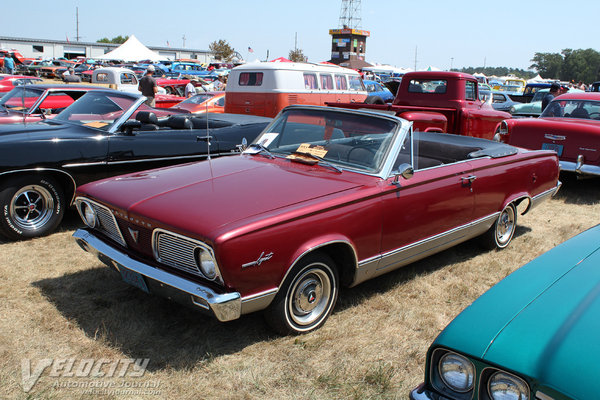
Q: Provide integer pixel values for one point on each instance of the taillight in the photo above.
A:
(502, 132)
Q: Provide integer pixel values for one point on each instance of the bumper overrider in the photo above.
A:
(223, 306)
(420, 393)
(579, 167)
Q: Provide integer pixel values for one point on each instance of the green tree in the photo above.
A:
(297, 56)
(580, 65)
(118, 40)
(222, 50)
(548, 65)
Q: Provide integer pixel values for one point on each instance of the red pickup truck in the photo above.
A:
(440, 102)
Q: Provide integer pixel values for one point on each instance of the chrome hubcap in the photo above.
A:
(310, 296)
(31, 207)
(506, 225)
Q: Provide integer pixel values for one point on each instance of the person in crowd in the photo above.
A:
(581, 86)
(148, 86)
(190, 89)
(9, 64)
(555, 90)
(70, 77)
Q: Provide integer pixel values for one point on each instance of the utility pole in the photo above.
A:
(451, 62)
(77, 37)
(484, 61)
(296, 42)
(415, 58)
(183, 37)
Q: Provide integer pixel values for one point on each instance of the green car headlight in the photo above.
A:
(504, 386)
(457, 372)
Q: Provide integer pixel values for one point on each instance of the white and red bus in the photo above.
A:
(265, 88)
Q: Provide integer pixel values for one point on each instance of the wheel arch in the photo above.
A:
(65, 179)
(517, 199)
(340, 249)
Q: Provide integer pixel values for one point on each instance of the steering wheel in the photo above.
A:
(359, 161)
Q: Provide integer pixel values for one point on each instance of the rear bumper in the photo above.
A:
(579, 168)
(223, 306)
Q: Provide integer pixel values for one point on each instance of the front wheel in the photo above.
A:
(30, 206)
(503, 230)
(306, 298)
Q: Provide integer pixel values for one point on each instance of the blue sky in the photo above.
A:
(470, 32)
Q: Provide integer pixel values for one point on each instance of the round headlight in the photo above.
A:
(457, 372)
(88, 213)
(206, 263)
(503, 386)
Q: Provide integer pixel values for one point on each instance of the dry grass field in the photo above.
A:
(59, 302)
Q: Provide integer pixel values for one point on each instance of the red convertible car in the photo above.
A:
(9, 82)
(33, 103)
(570, 125)
(323, 198)
(211, 102)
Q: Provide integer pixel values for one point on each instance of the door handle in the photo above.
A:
(468, 179)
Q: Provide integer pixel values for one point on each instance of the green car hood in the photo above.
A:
(542, 321)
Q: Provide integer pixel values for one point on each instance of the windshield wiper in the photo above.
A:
(261, 149)
(321, 161)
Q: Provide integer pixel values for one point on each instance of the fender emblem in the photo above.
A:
(261, 258)
(134, 234)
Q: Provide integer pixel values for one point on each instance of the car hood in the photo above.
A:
(542, 320)
(20, 131)
(208, 199)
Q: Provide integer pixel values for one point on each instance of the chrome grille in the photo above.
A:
(108, 223)
(176, 251)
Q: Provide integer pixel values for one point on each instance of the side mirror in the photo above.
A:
(404, 170)
(243, 146)
(129, 125)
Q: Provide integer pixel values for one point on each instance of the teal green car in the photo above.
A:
(533, 336)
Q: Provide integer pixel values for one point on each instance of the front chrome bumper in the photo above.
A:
(420, 393)
(223, 306)
(579, 168)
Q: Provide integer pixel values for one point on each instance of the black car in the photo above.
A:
(104, 133)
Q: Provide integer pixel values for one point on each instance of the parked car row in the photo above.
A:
(332, 197)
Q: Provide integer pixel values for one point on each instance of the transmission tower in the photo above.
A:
(350, 14)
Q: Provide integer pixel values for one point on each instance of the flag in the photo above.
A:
(250, 50)
(67, 38)
(168, 45)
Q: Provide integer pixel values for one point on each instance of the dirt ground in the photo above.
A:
(59, 303)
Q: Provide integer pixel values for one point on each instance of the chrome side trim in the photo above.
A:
(190, 157)
(314, 248)
(583, 169)
(379, 265)
(258, 301)
(537, 199)
(542, 396)
(39, 169)
(224, 306)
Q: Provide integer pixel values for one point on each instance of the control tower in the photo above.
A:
(349, 41)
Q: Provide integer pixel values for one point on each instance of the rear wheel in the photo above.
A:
(503, 230)
(30, 206)
(307, 296)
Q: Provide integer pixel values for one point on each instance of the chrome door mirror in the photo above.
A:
(405, 170)
(243, 146)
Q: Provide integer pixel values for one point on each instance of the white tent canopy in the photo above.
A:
(132, 50)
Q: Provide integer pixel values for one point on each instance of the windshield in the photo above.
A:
(198, 99)
(97, 110)
(20, 99)
(346, 140)
(581, 109)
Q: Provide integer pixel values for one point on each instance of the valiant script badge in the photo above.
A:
(261, 258)
(134, 234)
